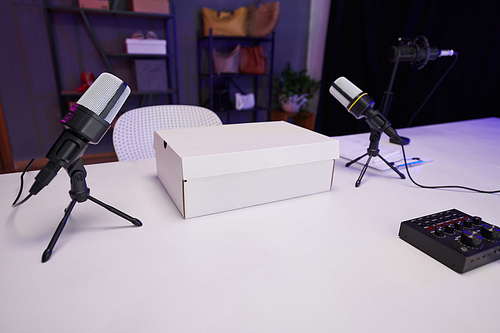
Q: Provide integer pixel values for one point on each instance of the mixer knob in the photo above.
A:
(490, 232)
(459, 226)
(449, 228)
(476, 220)
(467, 222)
(439, 232)
(471, 238)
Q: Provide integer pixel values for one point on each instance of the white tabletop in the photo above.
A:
(330, 262)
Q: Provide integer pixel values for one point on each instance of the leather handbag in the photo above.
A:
(252, 60)
(224, 23)
(262, 18)
(227, 63)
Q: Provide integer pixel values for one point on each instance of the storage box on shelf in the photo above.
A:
(146, 46)
(94, 4)
(149, 6)
(150, 75)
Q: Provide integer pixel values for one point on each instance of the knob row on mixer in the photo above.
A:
(470, 237)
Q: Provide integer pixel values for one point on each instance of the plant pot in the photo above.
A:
(293, 103)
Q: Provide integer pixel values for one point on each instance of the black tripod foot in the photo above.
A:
(46, 255)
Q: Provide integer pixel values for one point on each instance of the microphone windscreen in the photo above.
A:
(99, 94)
(344, 91)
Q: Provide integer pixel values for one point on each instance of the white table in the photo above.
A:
(330, 262)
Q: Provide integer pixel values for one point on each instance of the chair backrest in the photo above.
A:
(133, 133)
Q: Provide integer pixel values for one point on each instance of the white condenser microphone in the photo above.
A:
(360, 105)
(86, 122)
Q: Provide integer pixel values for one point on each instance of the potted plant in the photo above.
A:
(294, 89)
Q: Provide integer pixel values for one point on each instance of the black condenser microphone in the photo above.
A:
(360, 105)
(86, 122)
(418, 52)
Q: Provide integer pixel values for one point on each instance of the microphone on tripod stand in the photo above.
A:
(360, 105)
(85, 123)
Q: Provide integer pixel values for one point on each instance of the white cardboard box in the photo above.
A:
(146, 46)
(212, 169)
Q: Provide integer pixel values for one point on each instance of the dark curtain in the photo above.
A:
(360, 33)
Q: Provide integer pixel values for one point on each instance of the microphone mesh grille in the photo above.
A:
(101, 92)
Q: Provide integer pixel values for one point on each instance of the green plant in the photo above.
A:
(292, 83)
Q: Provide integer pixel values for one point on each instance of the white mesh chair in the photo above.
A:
(133, 133)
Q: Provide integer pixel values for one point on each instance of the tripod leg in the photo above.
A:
(358, 182)
(392, 167)
(355, 160)
(116, 211)
(48, 252)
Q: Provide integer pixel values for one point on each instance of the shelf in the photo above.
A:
(112, 62)
(110, 12)
(230, 75)
(74, 93)
(208, 80)
(140, 55)
(235, 38)
(93, 29)
(255, 109)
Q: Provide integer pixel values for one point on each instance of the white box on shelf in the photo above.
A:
(213, 169)
(146, 46)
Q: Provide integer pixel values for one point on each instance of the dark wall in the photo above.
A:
(360, 34)
(27, 84)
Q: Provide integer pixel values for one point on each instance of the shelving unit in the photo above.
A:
(111, 59)
(207, 79)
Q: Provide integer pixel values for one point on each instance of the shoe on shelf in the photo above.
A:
(151, 35)
(138, 35)
(87, 79)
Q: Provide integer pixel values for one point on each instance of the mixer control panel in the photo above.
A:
(458, 240)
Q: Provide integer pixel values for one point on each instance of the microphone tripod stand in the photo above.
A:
(372, 151)
(80, 193)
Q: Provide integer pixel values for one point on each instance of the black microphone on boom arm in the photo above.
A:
(418, 52)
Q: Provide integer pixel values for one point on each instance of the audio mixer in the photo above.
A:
(458, 240)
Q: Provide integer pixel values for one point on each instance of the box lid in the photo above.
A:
(209, 151)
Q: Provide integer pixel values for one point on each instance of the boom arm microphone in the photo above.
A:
(418, 52)
(85, 123)
(360, 105)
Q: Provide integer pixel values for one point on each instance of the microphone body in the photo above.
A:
(360, 105)
(418, 52)
(412, 53)
(85, 123)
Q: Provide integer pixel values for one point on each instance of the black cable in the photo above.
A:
(22, 185)
(433, 89)
(441, 186)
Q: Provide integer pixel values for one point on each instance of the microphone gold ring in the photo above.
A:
(357, 99)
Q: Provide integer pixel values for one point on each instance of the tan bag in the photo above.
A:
(262, 19)
(224, 23)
